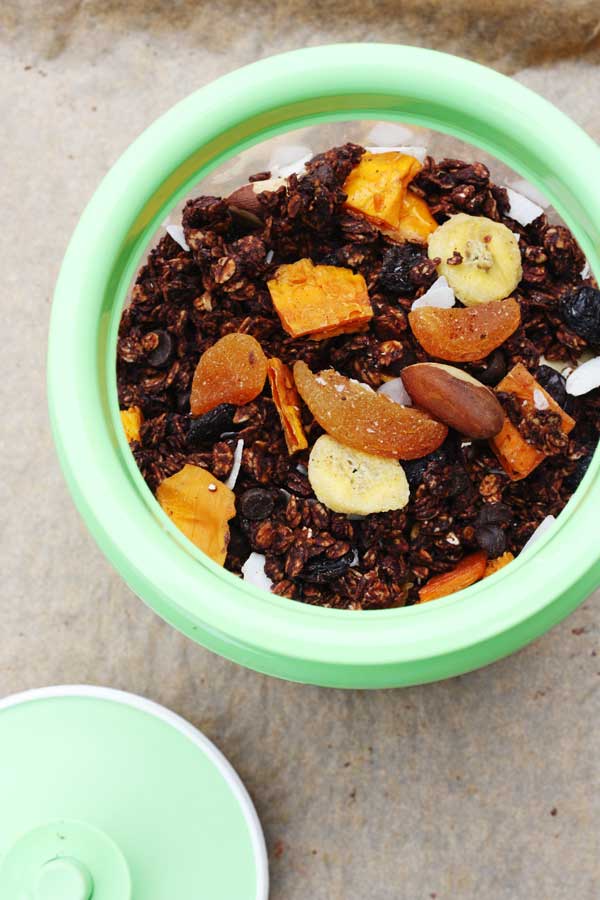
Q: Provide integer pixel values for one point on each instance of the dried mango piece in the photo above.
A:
(466, 572)
(517, 457)
(494, 565)
(377, 189)
(233, 370)
(355, 415)
(285, 398)
(132, 420)
(320, 301)
(465, 334)
(201, 506)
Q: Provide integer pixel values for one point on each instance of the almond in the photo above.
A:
(245, 200)
(455, 398)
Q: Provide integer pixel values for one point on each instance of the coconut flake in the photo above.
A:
(542, 528)
(176, 232)
(302, 469)
(586, 271)
(237, 462)
(396, 391)
(529, 191)
(384, 134)
(585, 378)
(289, 159)
(539, 399)
(522, 209)
(269, 256)
(253, 572)
(418, 152)
(440, 294)
(355, 559)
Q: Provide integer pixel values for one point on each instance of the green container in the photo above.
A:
(278, 636)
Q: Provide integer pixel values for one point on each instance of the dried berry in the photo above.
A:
(490, 370)
(581, 312)
(492, 539)
(573, 480)
(320, 569)
(395, 273)
(162, 353)
(209, 427)
(494, 514)
(414, 469)
(552, 382)
(256, 503)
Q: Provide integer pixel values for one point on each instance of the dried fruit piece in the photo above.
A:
(580, 310)
(455, 398)
(320, 301)
(132, 420)
(494, 565)
(200, 505)
(465, 335)
(349, 481)
(479, 257)
(519, 458)
(231, 371)
(356, 416)
(377, 189)
(285, 398)
(210, 426)
(320, 569)
(466, 572)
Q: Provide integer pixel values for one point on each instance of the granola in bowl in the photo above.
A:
(350, 385)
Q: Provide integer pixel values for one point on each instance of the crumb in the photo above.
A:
(553, 811)
(352, 794)
(578, 631)
(278, 849)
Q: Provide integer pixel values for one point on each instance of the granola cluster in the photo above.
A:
(461, 499)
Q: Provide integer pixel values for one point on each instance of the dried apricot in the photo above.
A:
(466, 572)
(416, 222)
(494, 565)
(231, 371)
(132, 420)
(287, 402)
(465, 335)
(355, 415)
(200, 505)
(320, 301)
(517, 456)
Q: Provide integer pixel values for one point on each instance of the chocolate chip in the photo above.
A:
(492, 539)
(163, 352)
(256, 503)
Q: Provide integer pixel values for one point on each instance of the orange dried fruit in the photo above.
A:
(201, 506)
(466, 572)
(231, 371)
(355, 415)
(287, 402)
(517, 457)
(320, 301)
(377, 188)
(132, 420)
(494, 565)
(465, 334)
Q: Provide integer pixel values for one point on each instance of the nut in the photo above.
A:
(245, 200)
(455, 398)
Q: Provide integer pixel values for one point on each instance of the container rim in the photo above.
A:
(279, 636)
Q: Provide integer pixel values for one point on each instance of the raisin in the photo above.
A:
(207, 428)
(256, 503)
(490, 370)
(182, 401)
(163, 352)
(581, 313)
(319, 569)
(553, 382)
(395, 274)
(492, 539)
(414, 469)
(494, 514)
(573, 480)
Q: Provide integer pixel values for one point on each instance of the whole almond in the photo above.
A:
(245, 199)
(455, 398)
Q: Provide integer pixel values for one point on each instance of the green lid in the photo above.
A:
(107, 796)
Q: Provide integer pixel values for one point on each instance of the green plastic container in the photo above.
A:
(267, 633)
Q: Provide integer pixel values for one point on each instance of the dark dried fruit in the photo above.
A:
(573, 480)
(581, 312)
(553, 382)
(163, 352)
(395, 274)
(256, 503)
(414, 469)
(490, 370)
(494, 514)
(492, 539)
(319, 569)
(207, 428)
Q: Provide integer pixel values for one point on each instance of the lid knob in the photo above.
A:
(64, 878)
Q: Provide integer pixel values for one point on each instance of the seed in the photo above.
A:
(256, 503)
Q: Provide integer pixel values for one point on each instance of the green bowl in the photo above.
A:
(268, 633)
